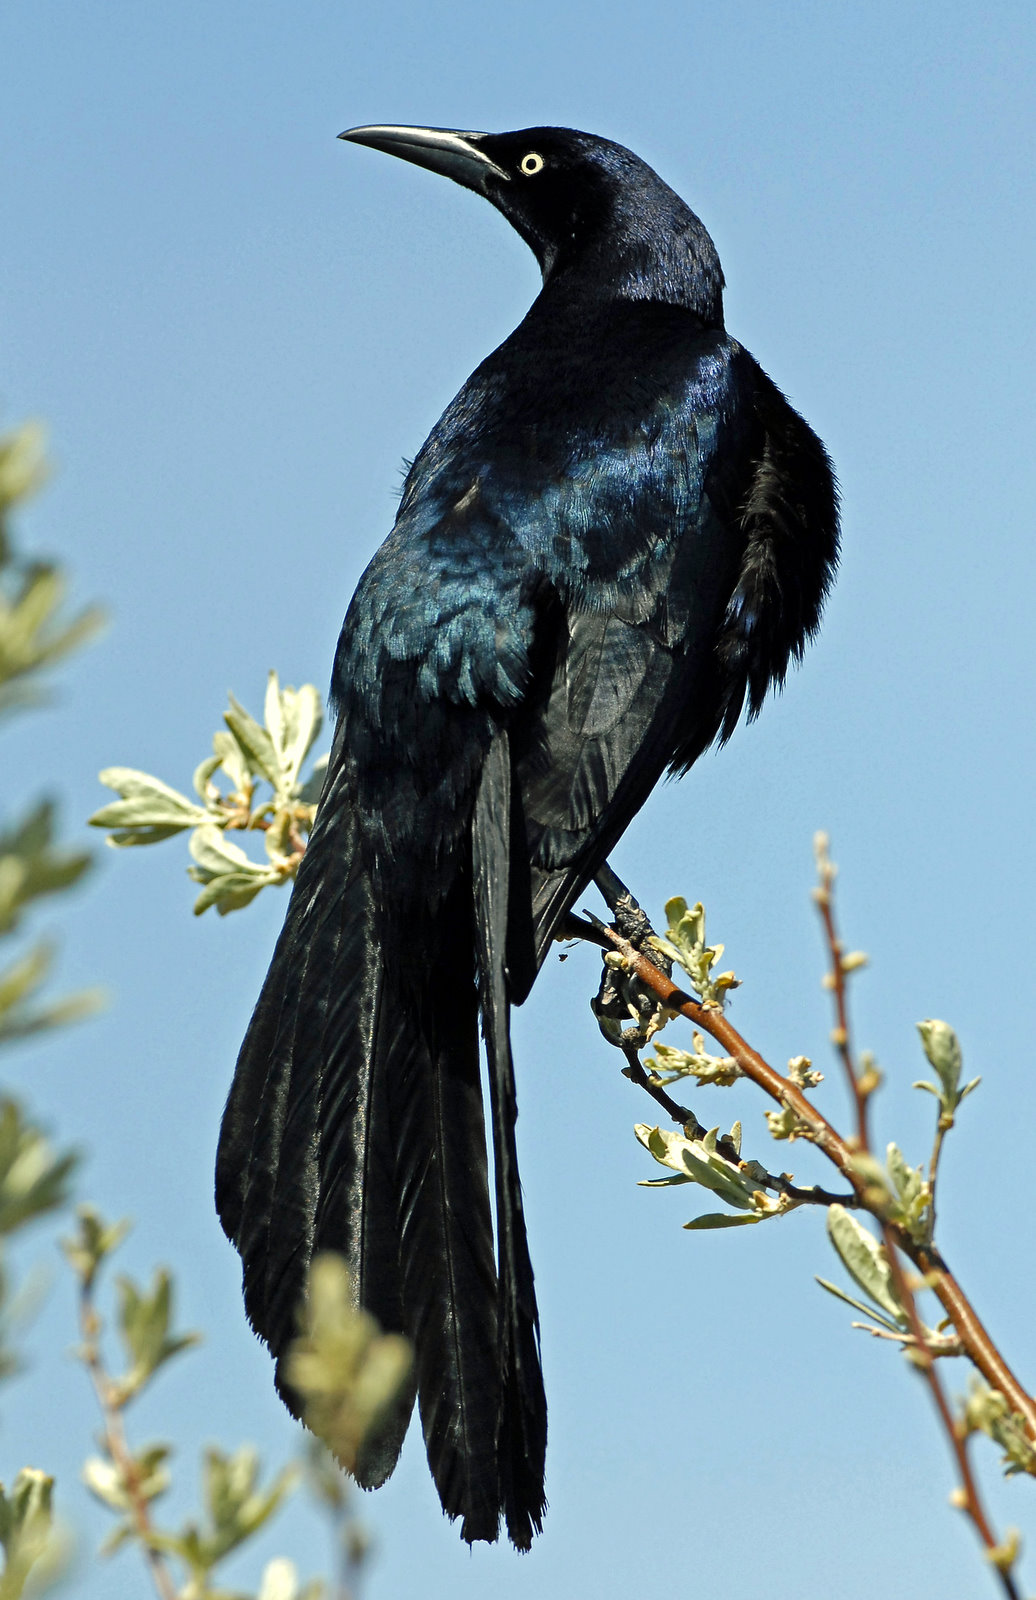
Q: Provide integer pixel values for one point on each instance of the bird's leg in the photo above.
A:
(622, 998)
(630, 918)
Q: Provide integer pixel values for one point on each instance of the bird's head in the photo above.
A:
(579, 202)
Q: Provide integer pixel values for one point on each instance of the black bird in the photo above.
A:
(615, 538)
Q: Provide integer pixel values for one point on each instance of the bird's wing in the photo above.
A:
(727, 550)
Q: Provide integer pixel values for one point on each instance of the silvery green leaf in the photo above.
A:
(294, 718)
(864, 1259)
(348, 1372)
(942, 1047)
(723, 1219)
(280, 1581)
(699, 1162)
(33, 1545)
(277, 838)
(907, 1179)
(104, 1480)
(144, 1318)
(23, 977)
(124, 1534)
(203, 774)
(23, 463)
(254, 741)
(232, 891)
(216, 854)
(95, 1241)
(148, 811)
(873, 1173)
(859, 1305)
(684, 942)
(236, 1504)
(32, 865)
(33, 1177)
(988, 1411)
(670, 1064)
(233, 760)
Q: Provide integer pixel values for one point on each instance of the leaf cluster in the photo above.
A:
(942, 1048)
(33, 633)
(684, 942)
(698, 1160)
(33, 637)
(34, 1546)
(346, 1370)
(252, 781)
(235, 1502)
(900, 1197)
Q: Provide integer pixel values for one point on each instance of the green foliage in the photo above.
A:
(33, 635)
(900, 1197)
(942, 1047)
(33, 1544)
(347, 1371)
(94, 1243)
(866, 1262)
(31, 866)
(684, 942)
(34, 1180)
(669, 1065)
(986, 1411)
(144, 1319)
(695, 1160)
(129, 1481)
(252, 781)
(33, 1177)
(236, 1506)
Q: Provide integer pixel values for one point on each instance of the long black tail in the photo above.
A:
(355, 1123)
(523, 1404)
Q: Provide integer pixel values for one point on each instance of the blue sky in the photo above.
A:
(236, 329)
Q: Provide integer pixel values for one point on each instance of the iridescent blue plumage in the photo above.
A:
(616, 537)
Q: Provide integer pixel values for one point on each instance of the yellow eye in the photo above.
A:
(531, 164)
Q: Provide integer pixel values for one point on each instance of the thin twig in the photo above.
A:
(922, 1355)
(116, 1444)
(973, 1339)
(933, 1169)
(840, 1036)
(924, 1359)
(979, 1346)
(637, 1073)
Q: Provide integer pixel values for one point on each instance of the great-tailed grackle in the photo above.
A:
(615, 538)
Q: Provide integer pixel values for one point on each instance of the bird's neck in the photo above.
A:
(676, 266)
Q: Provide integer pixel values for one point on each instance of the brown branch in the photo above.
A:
(859, 1088)
(636, 1072)
(924, 1359)
(922, 1354)
(974, 1341)
(117, 1446)
(977, 1343)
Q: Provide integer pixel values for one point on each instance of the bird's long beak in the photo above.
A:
(455, 155)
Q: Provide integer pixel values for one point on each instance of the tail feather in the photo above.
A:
(446, 1245)
(355, 1123)
(522, 1437)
